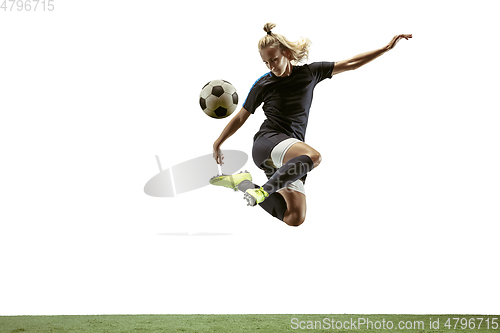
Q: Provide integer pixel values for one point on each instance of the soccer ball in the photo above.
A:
(218, 99)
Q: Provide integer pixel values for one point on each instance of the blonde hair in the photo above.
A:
(297, 51)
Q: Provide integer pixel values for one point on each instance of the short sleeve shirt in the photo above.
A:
(286, 101)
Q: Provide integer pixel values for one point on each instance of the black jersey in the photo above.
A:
(287, 100)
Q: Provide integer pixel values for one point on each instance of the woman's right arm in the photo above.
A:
(231, 128)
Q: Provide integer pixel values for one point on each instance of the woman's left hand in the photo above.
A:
(396, 39)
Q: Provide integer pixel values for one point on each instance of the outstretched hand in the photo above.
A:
(218, 155)
(396, 39)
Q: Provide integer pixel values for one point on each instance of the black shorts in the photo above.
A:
(263, 144)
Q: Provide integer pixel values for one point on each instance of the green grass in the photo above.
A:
(234, 323)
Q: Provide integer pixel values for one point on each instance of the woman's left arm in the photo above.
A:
(364, 58)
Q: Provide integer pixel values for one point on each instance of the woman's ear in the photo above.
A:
(288, 54)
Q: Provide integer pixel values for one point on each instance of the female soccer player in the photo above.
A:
(279, 147)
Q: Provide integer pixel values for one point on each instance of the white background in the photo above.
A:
(403, 212)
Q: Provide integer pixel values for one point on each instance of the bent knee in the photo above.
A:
(316, 158)
(294, 220)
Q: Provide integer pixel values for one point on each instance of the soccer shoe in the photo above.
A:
(255, 196)
(231, 181)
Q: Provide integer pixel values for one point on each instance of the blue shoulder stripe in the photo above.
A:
(253, 85)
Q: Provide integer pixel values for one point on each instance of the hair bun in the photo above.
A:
(268, 27)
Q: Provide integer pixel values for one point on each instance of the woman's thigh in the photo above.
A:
(301, 148)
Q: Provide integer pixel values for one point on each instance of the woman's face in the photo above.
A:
(276, 61)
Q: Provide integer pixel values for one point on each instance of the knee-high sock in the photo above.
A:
(274, 204)
(292, 170)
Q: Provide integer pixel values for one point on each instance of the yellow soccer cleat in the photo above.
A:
(231, 181)
(255, 196)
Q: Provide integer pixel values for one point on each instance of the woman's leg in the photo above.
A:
(275, 204)
(296, 206)
(295, 213)
(286, 205)
(301, 148)
(293, 159)
(298, 160)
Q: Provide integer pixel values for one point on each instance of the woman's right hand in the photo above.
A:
(218, 154)
(231, 127)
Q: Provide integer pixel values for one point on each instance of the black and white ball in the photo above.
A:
(218, 99)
